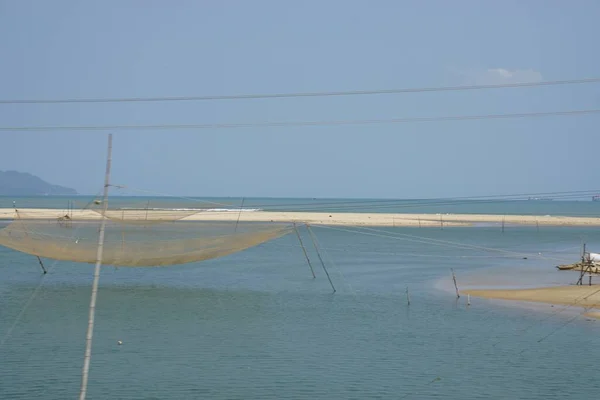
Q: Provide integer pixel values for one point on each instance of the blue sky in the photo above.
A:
(72, 49)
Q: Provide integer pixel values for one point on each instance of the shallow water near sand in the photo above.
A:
(565, 206)
(256, 325)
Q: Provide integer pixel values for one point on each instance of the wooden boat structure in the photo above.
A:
(589, 264)
(594, 269)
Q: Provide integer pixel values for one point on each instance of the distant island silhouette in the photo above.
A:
(14, 183)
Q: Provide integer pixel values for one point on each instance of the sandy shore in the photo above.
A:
(576, 296)
(349, 219)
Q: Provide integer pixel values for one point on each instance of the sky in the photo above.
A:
(111, 49)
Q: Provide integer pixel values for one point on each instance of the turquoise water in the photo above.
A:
(255, 325)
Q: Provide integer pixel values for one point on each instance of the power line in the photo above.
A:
(300, 94)
(299, 123)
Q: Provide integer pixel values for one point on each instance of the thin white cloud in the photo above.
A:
(496, 76)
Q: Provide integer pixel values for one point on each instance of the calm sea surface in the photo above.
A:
(256, 325)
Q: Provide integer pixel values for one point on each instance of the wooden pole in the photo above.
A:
(92, 312)
(407, 296)
(304, 250)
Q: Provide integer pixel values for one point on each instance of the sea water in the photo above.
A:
(565, 206)
(256, 325)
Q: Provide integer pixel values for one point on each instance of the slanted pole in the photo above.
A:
(455, 285)
(239, 215)
(92, 312)
(42, 265)
(304, 250)
(314, 240)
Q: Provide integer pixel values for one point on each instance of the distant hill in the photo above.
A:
(15, 183)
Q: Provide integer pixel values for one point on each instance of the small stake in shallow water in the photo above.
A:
(407, 296)
(468, 299)
(455, 285)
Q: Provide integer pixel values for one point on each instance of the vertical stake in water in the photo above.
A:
(468, 299)
(147, 207)
(582, 272)
(407, 296)
(90, 330)
(304, 250)
(455, 285)
(503, 223)
(314, 240)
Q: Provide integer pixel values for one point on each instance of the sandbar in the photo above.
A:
(583, 296)
(323, 218)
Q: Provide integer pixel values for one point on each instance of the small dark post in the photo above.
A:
(147, 207)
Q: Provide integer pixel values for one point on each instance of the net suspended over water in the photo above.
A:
(135, 243)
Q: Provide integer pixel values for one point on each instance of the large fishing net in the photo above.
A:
(145, 239)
